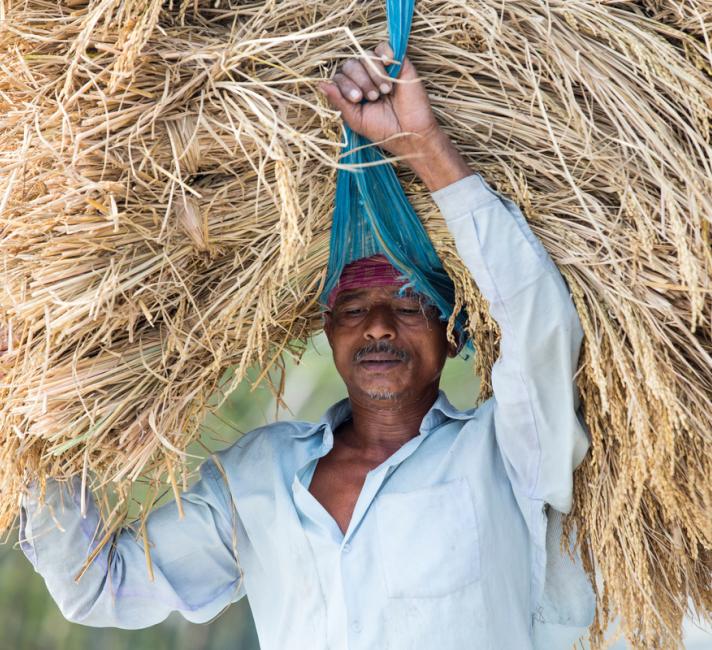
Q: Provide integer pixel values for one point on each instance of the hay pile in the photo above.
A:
(166, 183)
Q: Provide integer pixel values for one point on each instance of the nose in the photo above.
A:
(379, 324)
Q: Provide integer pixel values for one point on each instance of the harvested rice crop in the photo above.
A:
(166, 182)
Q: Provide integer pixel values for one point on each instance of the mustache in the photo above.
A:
(381, 347)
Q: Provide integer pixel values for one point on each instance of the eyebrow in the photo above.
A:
(348, 295)
(360, 293)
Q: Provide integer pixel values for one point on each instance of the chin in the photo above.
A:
(383, 395)
(383, 391)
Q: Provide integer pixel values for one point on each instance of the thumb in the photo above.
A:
(407, 71)
(350, 112)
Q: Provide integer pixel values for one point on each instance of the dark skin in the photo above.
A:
(389, 349)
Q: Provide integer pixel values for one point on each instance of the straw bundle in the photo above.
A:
(693, 16)
(166, 180)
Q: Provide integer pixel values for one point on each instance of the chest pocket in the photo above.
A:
(428, 540)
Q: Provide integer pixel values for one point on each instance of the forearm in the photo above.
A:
(495, 241)
(58, 540)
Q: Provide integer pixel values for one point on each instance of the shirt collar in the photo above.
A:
(440, 412)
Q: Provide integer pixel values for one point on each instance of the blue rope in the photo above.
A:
(372, 214)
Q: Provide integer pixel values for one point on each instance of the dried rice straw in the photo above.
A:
(166, 179)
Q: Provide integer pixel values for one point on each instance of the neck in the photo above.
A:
(381, 427)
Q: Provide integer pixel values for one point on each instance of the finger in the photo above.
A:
(356, 72)
(385, 53)
(407, 71)
(349, 111)
(349, 89)
(377, 71)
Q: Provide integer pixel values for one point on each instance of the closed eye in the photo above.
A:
(352, 311)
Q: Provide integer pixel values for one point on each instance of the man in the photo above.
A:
(397, 521)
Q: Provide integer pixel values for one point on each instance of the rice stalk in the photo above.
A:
(166, 183)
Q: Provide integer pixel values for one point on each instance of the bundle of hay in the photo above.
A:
(166, 184)
(692, 16)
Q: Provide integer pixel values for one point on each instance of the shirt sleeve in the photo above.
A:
(194, 560)
(537, 424)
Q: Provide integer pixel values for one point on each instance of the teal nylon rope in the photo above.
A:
(372, 214)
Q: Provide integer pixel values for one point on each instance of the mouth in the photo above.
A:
(380, 357)
(379, 362)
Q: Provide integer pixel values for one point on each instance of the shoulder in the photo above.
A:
(264, 460)
(266, 445)
(476, 431)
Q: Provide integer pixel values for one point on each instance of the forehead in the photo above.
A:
(376, 293)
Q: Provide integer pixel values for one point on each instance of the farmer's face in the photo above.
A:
(386, 346)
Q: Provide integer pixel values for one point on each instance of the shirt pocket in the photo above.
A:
(428, 540)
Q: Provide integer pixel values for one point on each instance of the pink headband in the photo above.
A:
(374, 271)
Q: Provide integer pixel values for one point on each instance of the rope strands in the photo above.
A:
(167, 176)
(372, 214)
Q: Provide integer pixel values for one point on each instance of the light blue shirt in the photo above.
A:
(454, 539)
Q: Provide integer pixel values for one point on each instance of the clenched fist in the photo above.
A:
(396, 115)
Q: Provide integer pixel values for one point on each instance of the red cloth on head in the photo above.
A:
(374, 271)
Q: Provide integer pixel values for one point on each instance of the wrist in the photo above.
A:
(438, 163)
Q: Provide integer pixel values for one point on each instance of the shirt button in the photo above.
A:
(347, 548)
(356, 626)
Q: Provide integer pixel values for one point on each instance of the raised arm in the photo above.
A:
(536, 420)
(195, 570)
(535, 399)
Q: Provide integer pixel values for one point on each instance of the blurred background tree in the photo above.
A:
(29, 619)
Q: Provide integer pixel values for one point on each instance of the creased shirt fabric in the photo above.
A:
(454, 539)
